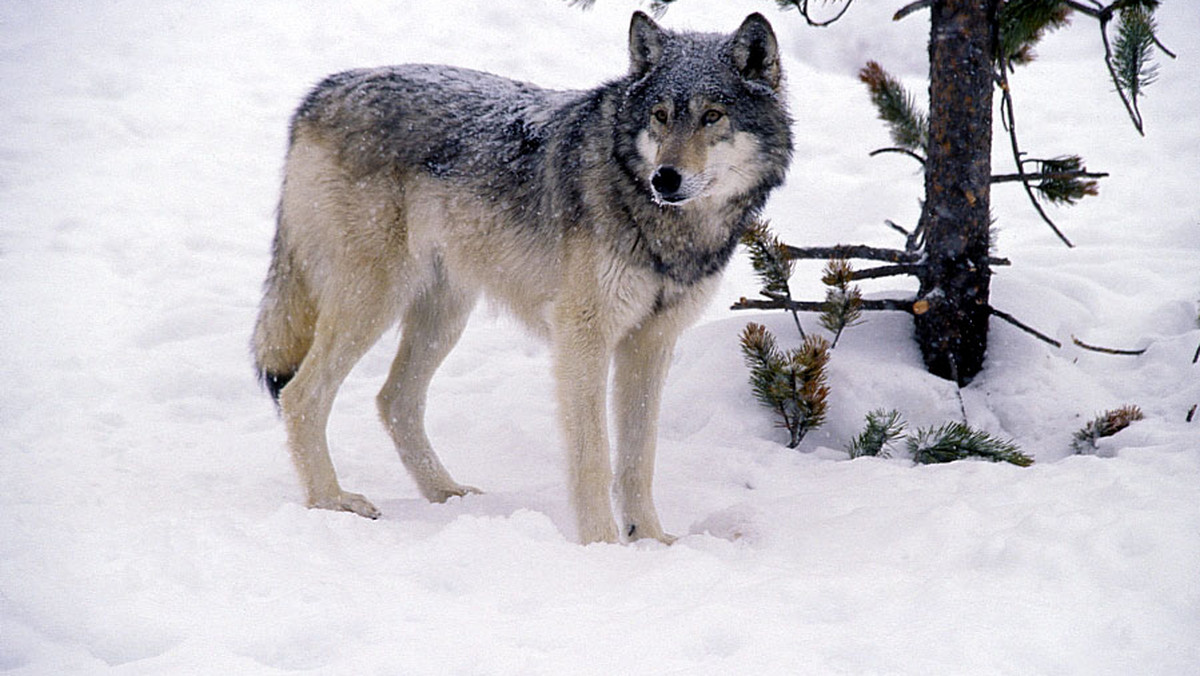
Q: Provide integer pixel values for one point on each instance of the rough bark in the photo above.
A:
(952, 321)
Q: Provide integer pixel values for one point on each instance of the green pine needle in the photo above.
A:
(1133, 49)
(769, 258)
(843, 300)
(883, 429)
(1024, 22)
(908, 125)
(956, 441)
(1065, 190)
(1105, 425)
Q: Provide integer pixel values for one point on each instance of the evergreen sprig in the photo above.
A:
(956, 441)
(793, 383)
(843, 300)
(1060, 186)
(1105, 425)
(1133, 66)
(907, 123)
(883, 429)
(769, 258)
(1024, 22)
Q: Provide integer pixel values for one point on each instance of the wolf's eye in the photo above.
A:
(661, 116)
(711, 116)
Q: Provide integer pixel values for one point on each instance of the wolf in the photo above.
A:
(601, 218)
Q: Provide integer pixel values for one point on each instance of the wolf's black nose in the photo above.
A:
(666, 181)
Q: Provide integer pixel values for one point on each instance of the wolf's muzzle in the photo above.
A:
(667, 182)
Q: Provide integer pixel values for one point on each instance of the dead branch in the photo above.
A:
(1106, 350)
(886, 271)
(1047, 176)
(902, 151)
(802, 7)
(850, 251)
(1024, 327)
(877, 305)
(910, 8)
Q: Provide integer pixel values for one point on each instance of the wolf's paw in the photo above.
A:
(444, 492)
(346, 501)
(598, 532)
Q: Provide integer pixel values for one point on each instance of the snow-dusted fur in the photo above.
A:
(601, 218)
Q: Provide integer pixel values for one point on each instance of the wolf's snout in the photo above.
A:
(666, 182)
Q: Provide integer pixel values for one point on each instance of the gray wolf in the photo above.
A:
(601, 218)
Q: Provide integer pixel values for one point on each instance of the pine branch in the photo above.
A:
(769, 258)
(1022, 23)
(843, 301)
(956, 441)
(907, 124)
(1105, 425)
(883, 429)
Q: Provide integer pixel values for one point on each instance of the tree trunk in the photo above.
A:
(952, 310)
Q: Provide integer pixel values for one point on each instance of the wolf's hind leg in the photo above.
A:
(431, 327)
(307, 401)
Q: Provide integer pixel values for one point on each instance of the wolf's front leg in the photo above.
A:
(581, 373)
(642, 360)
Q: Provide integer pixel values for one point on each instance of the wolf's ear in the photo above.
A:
(645, 43)
(756, 52)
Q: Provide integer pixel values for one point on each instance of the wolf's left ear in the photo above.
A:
(756, 52)
(645, 43)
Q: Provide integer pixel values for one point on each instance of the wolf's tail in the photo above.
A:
(286, 322)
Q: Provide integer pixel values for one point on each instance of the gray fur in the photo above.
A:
(601, 218)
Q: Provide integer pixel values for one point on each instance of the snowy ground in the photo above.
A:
(150, 522)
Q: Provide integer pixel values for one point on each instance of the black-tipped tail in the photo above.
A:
(275, 382)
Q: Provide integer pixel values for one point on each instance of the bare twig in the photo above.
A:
(802, 6)
(1106, 350)
(1047, 176)
(911, 8)
(1024, 327)
(886, 271)
(902, 151)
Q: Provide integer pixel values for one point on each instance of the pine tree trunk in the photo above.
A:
(952, 328)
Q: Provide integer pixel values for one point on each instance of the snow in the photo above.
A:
(150, 521)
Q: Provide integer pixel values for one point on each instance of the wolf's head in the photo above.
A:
(705, 112)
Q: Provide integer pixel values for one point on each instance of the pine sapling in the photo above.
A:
(883, 429)
(793, 383)
(1105, 425)
(956, 441)
(843, 300)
